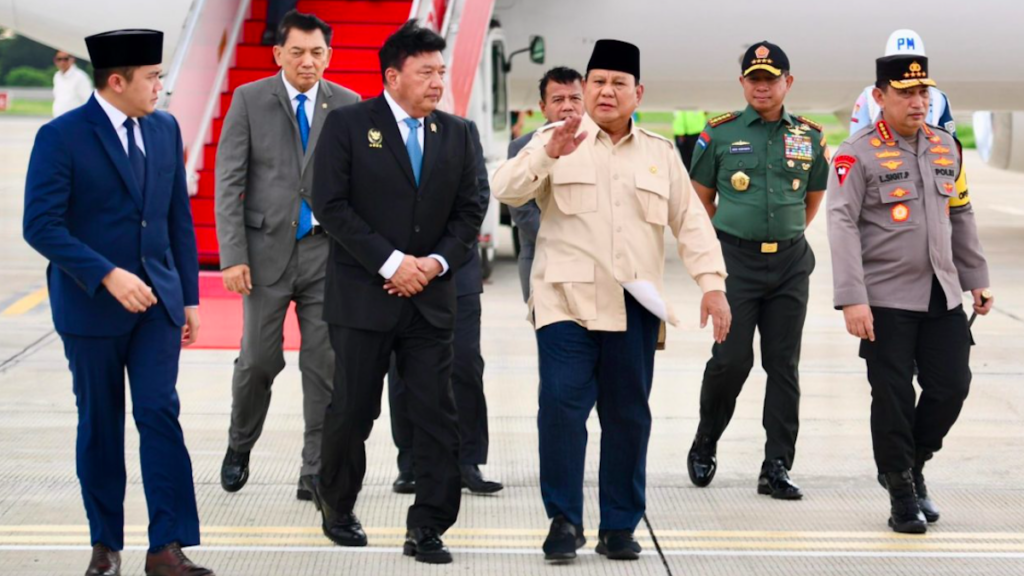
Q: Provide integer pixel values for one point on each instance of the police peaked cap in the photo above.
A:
(122, 48)
(615, 55)
(903, 71)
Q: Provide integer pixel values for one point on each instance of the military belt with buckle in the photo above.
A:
(757, 245)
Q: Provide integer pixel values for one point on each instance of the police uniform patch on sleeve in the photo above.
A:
(719, 120)
(843, 165)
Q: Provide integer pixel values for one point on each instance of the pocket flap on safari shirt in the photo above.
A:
(573, 175)
(652, 183)
(569, 271)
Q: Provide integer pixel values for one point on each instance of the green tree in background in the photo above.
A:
(25, 56)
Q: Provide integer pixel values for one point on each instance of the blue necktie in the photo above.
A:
(412, 145)
(305, 213)
(135, 157)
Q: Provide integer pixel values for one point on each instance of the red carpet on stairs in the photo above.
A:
(360, 28)
(220, 317)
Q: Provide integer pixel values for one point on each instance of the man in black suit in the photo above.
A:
(467, 371)
(395, 187)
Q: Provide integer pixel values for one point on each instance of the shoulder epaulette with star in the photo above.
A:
(811, 123)
(719, 120)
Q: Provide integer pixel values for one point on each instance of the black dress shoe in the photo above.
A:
(473, 479)
(617, 545)
(234, 471)
(404, 484)
(308, 484)
(905, 514)
(564, 539)
(342, 529)
(701, 462)
(104, 562)
(774, 481)
(426, 545)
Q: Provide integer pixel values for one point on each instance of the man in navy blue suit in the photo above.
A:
(106, 203)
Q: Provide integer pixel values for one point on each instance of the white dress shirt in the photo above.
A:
(71, 89)
(395, 260)
(117, 118)
(310, 108)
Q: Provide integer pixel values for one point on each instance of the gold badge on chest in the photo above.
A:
(740, 182)
(375, 138)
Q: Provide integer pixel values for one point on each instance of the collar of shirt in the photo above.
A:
(750, 115)
(595, 134)
(400, 116)
(310, 97)
(117, 118)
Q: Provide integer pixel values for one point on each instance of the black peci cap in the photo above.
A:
(903, 71)
(121, 48)
(766, 56)
(615, 55)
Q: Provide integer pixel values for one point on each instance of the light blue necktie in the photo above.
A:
(305, 213)
(412, 145)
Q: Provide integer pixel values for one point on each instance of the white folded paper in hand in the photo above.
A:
(647, 295)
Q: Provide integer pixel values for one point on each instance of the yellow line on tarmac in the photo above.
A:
(26, 303)
(527, 533)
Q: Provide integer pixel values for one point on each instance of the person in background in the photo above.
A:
(686, 127)
(71, 85)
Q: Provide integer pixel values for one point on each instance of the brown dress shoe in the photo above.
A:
(105, 562)
(171, 561)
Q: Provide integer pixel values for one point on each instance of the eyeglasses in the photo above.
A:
(62, 58)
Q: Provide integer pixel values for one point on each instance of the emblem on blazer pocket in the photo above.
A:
(375, 138)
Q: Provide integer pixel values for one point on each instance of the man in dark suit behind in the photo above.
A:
(561, 97)
(395, 187)
(467, 370)
(107, 204)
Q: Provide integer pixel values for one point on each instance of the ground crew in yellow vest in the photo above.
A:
(904, 249)
(686, 127)
(606, 190)
(768, 170)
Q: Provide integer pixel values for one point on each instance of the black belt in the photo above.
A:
(765, 247)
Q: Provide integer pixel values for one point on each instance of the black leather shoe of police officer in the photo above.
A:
(564, 539)
(404, 484)
(426, 545)
(928, 507)
(905, 515)
(701, 462)
(473, 479)
(617, 545)
(234, 471)
(774, 481)
(343, 529)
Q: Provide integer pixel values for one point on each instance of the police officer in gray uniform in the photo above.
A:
(904, 248)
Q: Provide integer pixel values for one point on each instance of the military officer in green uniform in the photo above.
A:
(769, 170)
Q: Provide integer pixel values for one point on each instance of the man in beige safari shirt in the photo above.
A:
(606, 190)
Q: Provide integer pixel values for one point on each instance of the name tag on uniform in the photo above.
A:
(799, 147)
(741, 148)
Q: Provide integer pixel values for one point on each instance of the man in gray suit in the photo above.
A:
(272, 251)
(561, 97)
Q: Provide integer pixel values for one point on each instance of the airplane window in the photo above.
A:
(499, 87)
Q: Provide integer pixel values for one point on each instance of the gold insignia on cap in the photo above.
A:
(915, 67)
(761, 52)
(375, 138)
(740, 181)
